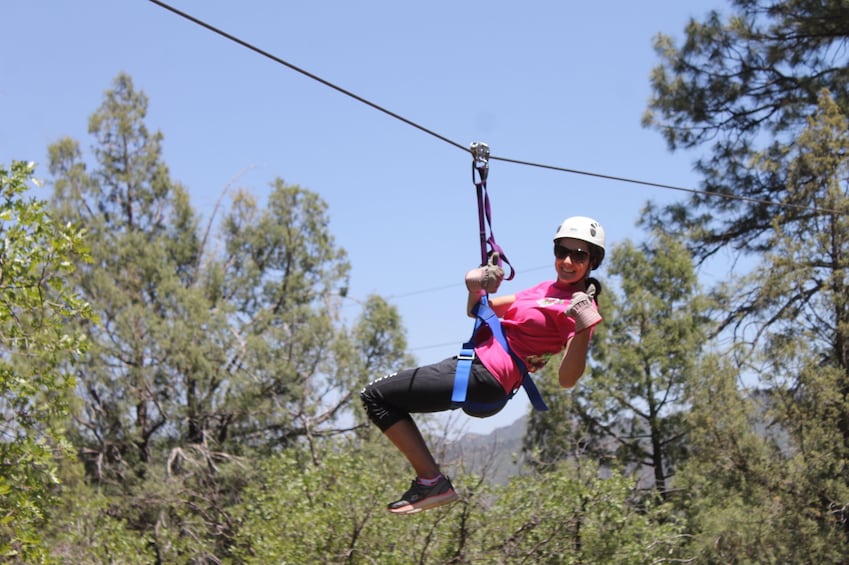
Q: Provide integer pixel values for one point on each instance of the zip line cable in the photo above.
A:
(432, 133)
(670, 187)
(466, 149)
(306, 73)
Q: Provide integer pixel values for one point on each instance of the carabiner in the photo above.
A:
(480, 161)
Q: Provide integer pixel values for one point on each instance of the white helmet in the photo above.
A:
(585, 229)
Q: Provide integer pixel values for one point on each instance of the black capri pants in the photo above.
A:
(428, 389)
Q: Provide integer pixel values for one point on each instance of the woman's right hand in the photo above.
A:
(487, 278)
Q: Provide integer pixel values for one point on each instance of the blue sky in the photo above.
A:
(557, 82)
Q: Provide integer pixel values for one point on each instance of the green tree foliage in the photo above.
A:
(301, 512)
(37, 341)
(573, 515)
(87, 528)
(747, 495)
(800, 290)
(212, 351)
(768, 89)
(629, 410)
(722, 489)
(793, 307)
(138, 222)
(798, 297)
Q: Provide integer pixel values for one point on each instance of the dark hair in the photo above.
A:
(596, 255)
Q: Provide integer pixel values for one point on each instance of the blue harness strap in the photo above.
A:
(484, 314)
(483, 311)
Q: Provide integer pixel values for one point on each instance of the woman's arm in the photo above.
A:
(574, 359)
(499, 304)
(474, 298)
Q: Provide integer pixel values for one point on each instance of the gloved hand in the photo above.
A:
(486, 278)
(583, 311)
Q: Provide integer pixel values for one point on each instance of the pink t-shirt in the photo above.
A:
(536, 327)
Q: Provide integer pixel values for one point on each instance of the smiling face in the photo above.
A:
(571, 259)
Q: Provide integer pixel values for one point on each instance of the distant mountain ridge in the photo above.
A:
(496, 455)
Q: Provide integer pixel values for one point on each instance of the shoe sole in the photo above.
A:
(427, 503)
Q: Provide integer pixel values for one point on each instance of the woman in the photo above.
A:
(542, 321)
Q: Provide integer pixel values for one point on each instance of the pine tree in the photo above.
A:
(218, 344)
(767, 88)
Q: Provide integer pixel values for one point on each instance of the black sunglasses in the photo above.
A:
(577, 255)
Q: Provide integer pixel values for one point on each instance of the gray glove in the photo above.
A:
(583, 311)
(486, 278)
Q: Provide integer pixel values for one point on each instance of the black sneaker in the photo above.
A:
(421, 497)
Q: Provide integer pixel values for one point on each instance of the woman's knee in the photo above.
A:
(377, 410)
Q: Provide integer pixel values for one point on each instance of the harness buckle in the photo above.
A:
(466, 355)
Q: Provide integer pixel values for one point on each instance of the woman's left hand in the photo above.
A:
(583, 311)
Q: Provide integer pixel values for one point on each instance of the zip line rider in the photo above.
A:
(537, 323)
